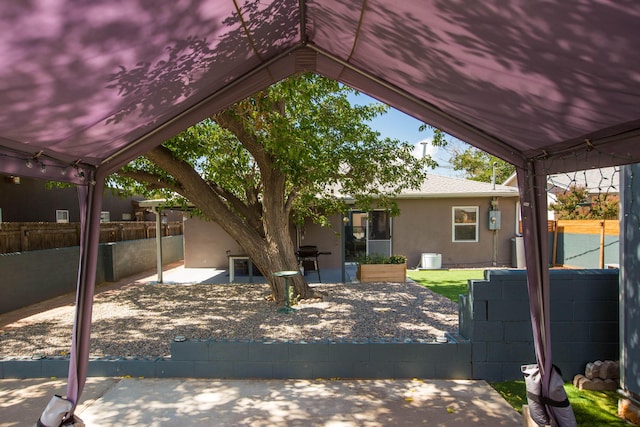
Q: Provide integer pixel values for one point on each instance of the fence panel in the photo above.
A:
(33, 236)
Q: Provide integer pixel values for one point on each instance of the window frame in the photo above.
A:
(455, 225)
(65, 213)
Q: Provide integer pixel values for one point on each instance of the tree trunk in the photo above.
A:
(270, 248)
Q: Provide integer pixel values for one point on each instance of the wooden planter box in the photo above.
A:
(382, 272)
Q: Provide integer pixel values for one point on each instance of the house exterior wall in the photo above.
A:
(423, 226)
(31, 201)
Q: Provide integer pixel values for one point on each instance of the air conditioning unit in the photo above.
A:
(430, 261)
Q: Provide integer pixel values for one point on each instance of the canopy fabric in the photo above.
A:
(549, 86)
(103, 82)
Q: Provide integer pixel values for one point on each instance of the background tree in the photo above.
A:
(474, 163)
(577, 203)
(289, 152)
(477, 165)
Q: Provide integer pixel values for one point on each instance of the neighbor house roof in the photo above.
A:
(597, 180)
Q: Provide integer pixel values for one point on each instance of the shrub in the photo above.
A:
(381, 259)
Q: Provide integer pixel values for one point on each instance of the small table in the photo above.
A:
(286, 274)
(232, 266)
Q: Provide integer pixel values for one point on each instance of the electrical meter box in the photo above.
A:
(494, 220)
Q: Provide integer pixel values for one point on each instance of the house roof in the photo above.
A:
(88, 86)
(439, 186)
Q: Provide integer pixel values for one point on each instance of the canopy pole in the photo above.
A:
(156, 211)
(90, 198)
(533, 201)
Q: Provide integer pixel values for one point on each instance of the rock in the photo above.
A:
(610, 370)
(598, 384)
(593, 369)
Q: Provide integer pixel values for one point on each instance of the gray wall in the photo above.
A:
(584, 321)
(32, 277)
(630, 280)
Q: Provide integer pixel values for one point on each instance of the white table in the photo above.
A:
(232, 265)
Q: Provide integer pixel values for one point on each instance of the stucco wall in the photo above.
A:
(424, 225)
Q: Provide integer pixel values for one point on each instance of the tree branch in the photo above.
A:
(153, 181)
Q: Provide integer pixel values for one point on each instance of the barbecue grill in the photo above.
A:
(308, 258)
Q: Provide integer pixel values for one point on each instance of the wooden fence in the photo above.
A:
(594, 227)
(33, 236)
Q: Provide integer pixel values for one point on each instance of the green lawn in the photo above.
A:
(591, 408)
(449, 283)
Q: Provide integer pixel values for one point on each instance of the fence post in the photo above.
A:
(602, 244)
(24, 239)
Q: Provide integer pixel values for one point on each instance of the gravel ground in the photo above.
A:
(142, 320)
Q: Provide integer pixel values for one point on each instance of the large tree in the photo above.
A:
(289, 152)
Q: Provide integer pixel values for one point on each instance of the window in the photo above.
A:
(126, 217)
(465, 223)
(105, 216)
(62, 215)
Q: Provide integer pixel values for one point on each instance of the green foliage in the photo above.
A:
(577, 203)
(591, 408)
(478, 165)
(305, 128)
(448, 283)
(381, 259)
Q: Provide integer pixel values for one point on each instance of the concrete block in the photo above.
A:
(229, 350)
(268, 352)
(395, 352)
(568, 331)
(489, 331)
(606, 311)
(486, 371)
(480, 310)
(486, 290)
(57, 367)
(374, 370)
(171, 368)
(515, 291)
(603, 331)
(518, 331)
(561, 311)
(299, 370)
(211, 369)
(507, 352)
(456, 369)
(479, 351)
(350, 352)
(508, 310)
(309, 352)
(102, 368)
(253, 370)
(145, 368)
(189, 350)
(414, 370)
(334, 369)
(22, 368)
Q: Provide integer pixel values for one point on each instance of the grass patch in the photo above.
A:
(449, 283)
(591, 408)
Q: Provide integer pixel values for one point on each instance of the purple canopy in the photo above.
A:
(553, 86)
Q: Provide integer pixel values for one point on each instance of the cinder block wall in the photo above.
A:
(584, 321)
(35, 276)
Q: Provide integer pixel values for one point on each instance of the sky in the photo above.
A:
(398, 125)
